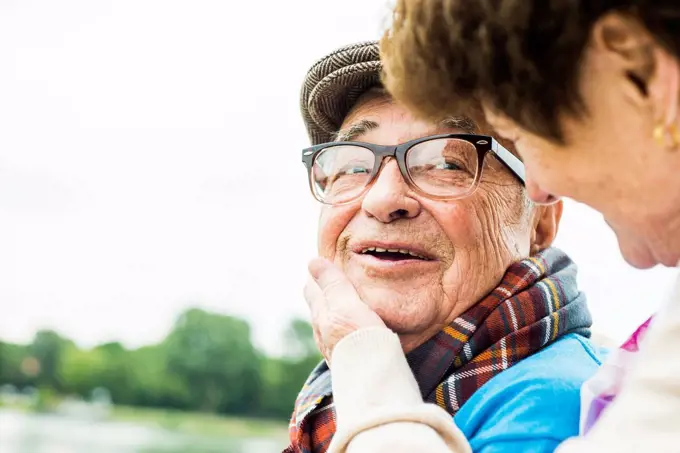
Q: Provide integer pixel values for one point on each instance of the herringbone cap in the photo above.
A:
(334, 84)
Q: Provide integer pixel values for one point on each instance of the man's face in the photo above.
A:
(468, 244)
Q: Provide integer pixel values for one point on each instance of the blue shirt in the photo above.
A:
(533, 406)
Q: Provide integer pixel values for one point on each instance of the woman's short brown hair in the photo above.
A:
(521, 57)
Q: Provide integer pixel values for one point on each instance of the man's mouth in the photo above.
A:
(393, 254)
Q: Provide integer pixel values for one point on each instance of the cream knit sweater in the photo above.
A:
(379, 407)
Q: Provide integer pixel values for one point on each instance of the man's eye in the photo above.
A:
(355, 171)
(448, 166)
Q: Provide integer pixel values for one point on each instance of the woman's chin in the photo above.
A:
(637, 254)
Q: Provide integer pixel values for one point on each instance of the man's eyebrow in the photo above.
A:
(355, 130)
(463, 123)
(361, 127)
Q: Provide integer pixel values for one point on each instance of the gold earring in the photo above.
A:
(667, 136)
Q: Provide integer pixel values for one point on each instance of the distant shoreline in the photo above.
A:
(183, 422)
(202, 424)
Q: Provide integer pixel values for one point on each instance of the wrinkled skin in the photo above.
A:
(471, 242)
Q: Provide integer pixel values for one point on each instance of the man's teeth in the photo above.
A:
(402, 251)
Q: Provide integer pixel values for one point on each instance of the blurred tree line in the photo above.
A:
(206, 363)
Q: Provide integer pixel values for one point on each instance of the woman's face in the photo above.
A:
(610, 159)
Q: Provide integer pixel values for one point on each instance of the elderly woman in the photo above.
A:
(589, 93)
(437, 297)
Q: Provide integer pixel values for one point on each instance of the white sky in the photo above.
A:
(126, 192)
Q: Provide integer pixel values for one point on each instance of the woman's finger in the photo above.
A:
(333, 283)
(316, 301)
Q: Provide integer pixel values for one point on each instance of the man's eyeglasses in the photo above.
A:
(441, 167)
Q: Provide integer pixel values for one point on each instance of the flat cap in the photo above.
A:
(333, 85)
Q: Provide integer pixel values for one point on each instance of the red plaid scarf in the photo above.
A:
(536, 302)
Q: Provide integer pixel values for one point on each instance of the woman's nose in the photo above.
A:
(537, 194)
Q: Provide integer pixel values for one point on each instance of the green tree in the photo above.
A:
(11, 359)
(152, 384)
(207, 362)
(299, 339)
(80, 371)
(214, 356)
(284, 377)
(48, 347)
(116, 374)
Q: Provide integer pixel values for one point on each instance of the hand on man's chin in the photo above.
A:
(336, 308)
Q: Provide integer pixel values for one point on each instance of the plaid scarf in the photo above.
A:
(536, 302)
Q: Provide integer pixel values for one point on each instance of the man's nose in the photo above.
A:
(537, 194)
(388, 199)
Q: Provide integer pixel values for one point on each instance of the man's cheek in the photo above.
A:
(333, 221)
(460, 223)
(327, 241)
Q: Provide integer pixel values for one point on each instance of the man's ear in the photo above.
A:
(546, 222)
(622, 44)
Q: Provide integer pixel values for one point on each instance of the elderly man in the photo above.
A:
(447, 321)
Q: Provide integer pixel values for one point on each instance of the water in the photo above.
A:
(44, 433)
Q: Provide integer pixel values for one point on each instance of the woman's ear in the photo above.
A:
(622, 44)
(546, 223)
(664, 91)
(649, 74)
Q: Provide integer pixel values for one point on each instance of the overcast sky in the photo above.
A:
(149, 161)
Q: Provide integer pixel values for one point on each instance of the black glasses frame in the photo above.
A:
(484, 144)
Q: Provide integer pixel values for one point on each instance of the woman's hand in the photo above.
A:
(336, 308)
